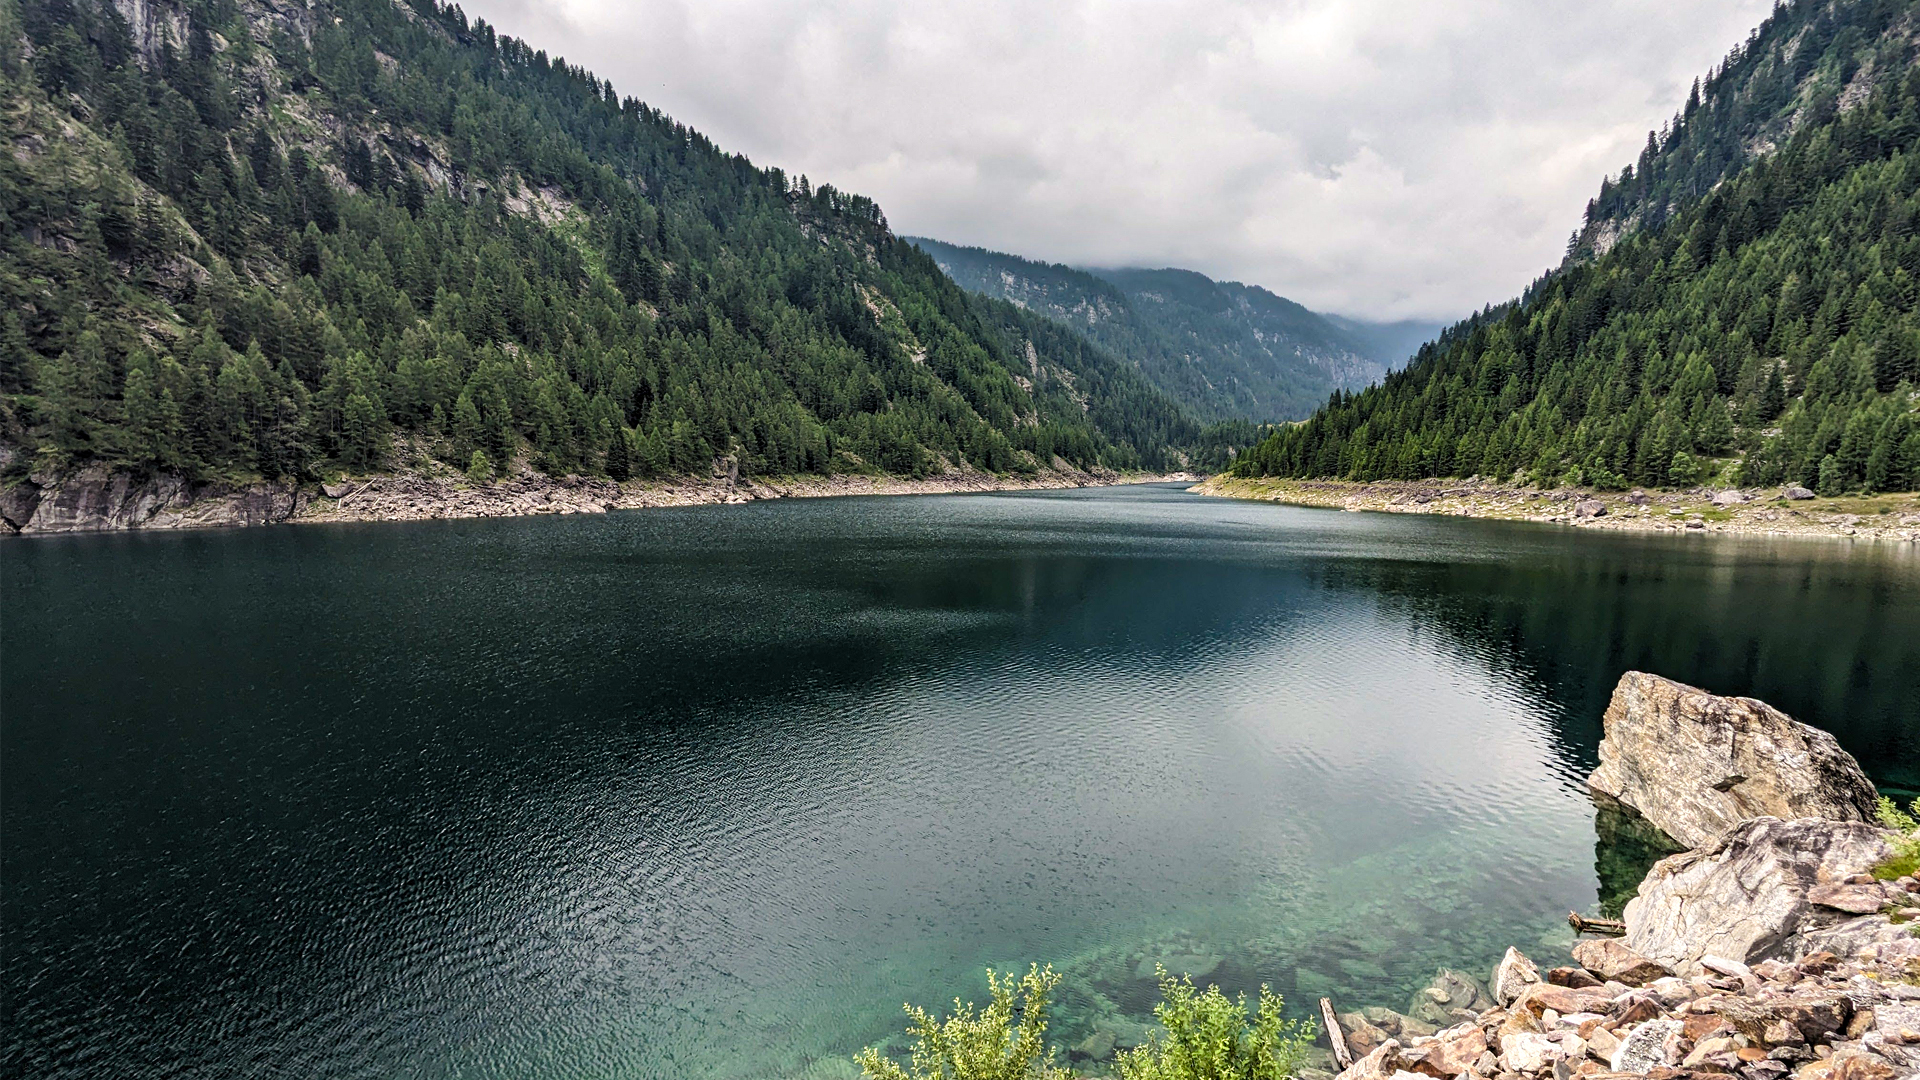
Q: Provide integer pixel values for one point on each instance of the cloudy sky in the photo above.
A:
(1382, 158)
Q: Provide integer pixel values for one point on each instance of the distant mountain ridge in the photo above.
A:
(1225, 350)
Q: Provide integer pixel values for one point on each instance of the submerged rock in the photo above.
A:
(1451, 993)
(1746, 896)
(1694, 764)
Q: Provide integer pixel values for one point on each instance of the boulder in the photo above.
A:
(1362, 1035)
(1745, 896)
(1611, 960)
(1729, 497)
(1451, 1053)
(1693, 763)
(1450, 991)
(1808, 1015)
(1578, 978)
(1539, 997)
(1512, 975)
(1528, 1053)
(1381, 1063)
(1645, 1047)
(1795, 492)
(1589, 508)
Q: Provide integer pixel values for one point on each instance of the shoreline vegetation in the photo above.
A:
(1748, 511)
(100, 500)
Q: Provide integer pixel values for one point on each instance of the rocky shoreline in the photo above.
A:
(1780, 946)
(1769, 512)
(97, 500)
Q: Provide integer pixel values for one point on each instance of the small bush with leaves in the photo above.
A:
(980, 1046)
(1906, 847)
(1209, 1037)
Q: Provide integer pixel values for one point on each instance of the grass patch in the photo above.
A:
(1906, 847)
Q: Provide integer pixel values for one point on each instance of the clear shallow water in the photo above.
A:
(709, 792)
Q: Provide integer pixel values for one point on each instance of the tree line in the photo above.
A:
(384, 235)
(1765, 332)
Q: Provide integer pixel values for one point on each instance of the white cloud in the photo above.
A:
(1376, 157)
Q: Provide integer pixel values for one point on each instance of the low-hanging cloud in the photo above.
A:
(1385, 158)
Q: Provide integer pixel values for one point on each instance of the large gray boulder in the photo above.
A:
(1694, 764)
(1745, 896)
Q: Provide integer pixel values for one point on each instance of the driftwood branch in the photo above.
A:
(1341, 1055)
(1583, 925)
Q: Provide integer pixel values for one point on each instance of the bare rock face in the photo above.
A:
(95, 498)
(1746, 896)
(1694, 764)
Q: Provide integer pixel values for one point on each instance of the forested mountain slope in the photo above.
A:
(262, 238)
(1800, 67)
(1764, 332)
(1223, 349)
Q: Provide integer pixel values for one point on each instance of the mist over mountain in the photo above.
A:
(1223, 349)
(1739, 306)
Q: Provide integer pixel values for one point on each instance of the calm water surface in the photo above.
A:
(710, 792)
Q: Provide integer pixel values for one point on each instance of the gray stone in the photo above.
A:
(1694, 763)
(1744, 897)
(1589, 508)
(1644, 1047)
(1795, 492)
(1729, 497)
(1611, 960)
(1526, 1053)
(1512, 976)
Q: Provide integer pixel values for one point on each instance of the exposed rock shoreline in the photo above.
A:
(1772, 949)
(1761, 512)
(96, 500)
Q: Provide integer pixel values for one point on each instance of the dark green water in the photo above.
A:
(709, 792)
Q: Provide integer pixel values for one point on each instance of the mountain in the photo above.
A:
(1222, 349)
(1808, 62)
(253, 238)
(1742, 307)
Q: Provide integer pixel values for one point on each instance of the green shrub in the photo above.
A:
(1906, 847)
(982, 1046)
(1209, 1038)
(480, 467)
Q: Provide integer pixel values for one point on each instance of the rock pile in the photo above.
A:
(1615, 1013)
(1771, 950)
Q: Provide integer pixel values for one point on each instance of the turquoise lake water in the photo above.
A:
(712, 791)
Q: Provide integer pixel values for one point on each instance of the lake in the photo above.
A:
(712, 791)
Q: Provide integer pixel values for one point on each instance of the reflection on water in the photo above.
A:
(710, 791)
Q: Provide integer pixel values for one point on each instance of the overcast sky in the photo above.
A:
(1382, 158)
